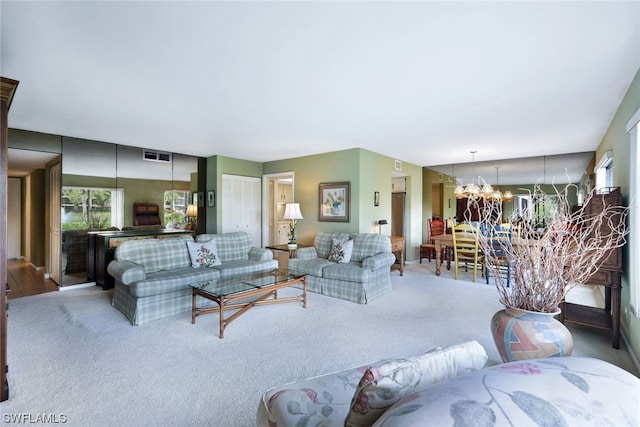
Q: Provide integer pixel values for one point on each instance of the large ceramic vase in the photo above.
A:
(521, 334)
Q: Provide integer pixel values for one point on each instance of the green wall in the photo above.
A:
(367, 173)
(617, 139)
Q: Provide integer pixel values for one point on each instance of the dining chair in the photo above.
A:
(435, 227)
(466, 251)
(498, 238)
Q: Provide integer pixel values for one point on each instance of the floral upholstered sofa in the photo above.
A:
(152, 276)
(354, 267)
(449, 388)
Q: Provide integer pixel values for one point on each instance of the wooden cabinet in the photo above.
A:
(283, 233)
(284, 193)
(609, 276)
(399, 185)
(397, 247)
(146, 214)
(102, 247)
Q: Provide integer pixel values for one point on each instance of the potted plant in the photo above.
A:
(544, 264)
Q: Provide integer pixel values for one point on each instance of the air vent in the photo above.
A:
(156, 156)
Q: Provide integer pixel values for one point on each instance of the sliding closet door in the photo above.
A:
(241, 206)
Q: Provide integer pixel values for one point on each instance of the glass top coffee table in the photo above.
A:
(244, 292)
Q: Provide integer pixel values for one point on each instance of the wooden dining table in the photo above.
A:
(442, 241)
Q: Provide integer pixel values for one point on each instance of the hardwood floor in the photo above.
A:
(24, 280)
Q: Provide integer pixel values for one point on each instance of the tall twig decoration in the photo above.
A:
(550, 256)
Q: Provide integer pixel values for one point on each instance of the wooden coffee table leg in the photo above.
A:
(221, 304)
(193, 306)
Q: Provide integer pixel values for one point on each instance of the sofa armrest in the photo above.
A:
(126, 272)
(285, 408)
(259, 254)
(385, 259)
(306, 253)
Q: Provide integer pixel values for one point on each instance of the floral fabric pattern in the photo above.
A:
(383, 385)
(559, 391)
(341, 251)
(333, 399)
(203, 254)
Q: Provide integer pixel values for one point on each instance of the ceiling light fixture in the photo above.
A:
(497, 195)
(472, 191)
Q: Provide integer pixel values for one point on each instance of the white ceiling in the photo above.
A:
(422, 82)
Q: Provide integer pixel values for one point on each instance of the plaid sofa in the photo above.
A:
(152, 276)
(365, 278)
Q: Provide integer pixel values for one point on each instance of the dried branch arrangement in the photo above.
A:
(550, 257)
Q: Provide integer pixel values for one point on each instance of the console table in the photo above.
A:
(608, 275)
(103, 244)
(397, 247)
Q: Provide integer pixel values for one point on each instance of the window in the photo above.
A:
(175, 206)
(604, 172)
(91, 208)
(538, 211)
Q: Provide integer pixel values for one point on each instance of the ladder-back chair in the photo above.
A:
(466, 251)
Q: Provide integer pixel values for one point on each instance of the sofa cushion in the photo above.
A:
(366, 245)
(203, 254)
(161, 282)
(383, 385)
(231, 246)
(558, 391)
(156, 254)
(313, 266)
(352, 272)
(324, 241)
(340, 251)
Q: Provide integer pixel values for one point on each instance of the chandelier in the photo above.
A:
(497, 195)
(473, 191)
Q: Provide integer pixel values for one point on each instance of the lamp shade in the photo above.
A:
(292, 211)
(382, 222)
(192, 210)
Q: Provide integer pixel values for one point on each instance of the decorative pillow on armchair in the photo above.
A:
(203, 254)
(383, 385)
(341, 251)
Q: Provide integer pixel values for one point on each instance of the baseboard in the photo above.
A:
(78, 286)
(35, 267)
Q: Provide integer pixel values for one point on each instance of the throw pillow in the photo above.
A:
(341, 251)
(382, 386)
(203, 254)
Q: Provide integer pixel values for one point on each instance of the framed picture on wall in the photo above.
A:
(201, 199)
(334, 201)
(376, 198)
(211, 198)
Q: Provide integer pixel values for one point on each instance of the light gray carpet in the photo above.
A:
(71, 353)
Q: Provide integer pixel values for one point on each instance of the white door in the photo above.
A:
(54, 225)
(241, 206)
(14, 222)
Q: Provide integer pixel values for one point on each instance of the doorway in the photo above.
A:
(277, 192)
(397, 214)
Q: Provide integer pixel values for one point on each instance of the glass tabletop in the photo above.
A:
(239, 284)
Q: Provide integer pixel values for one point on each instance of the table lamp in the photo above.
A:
(293, 214)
